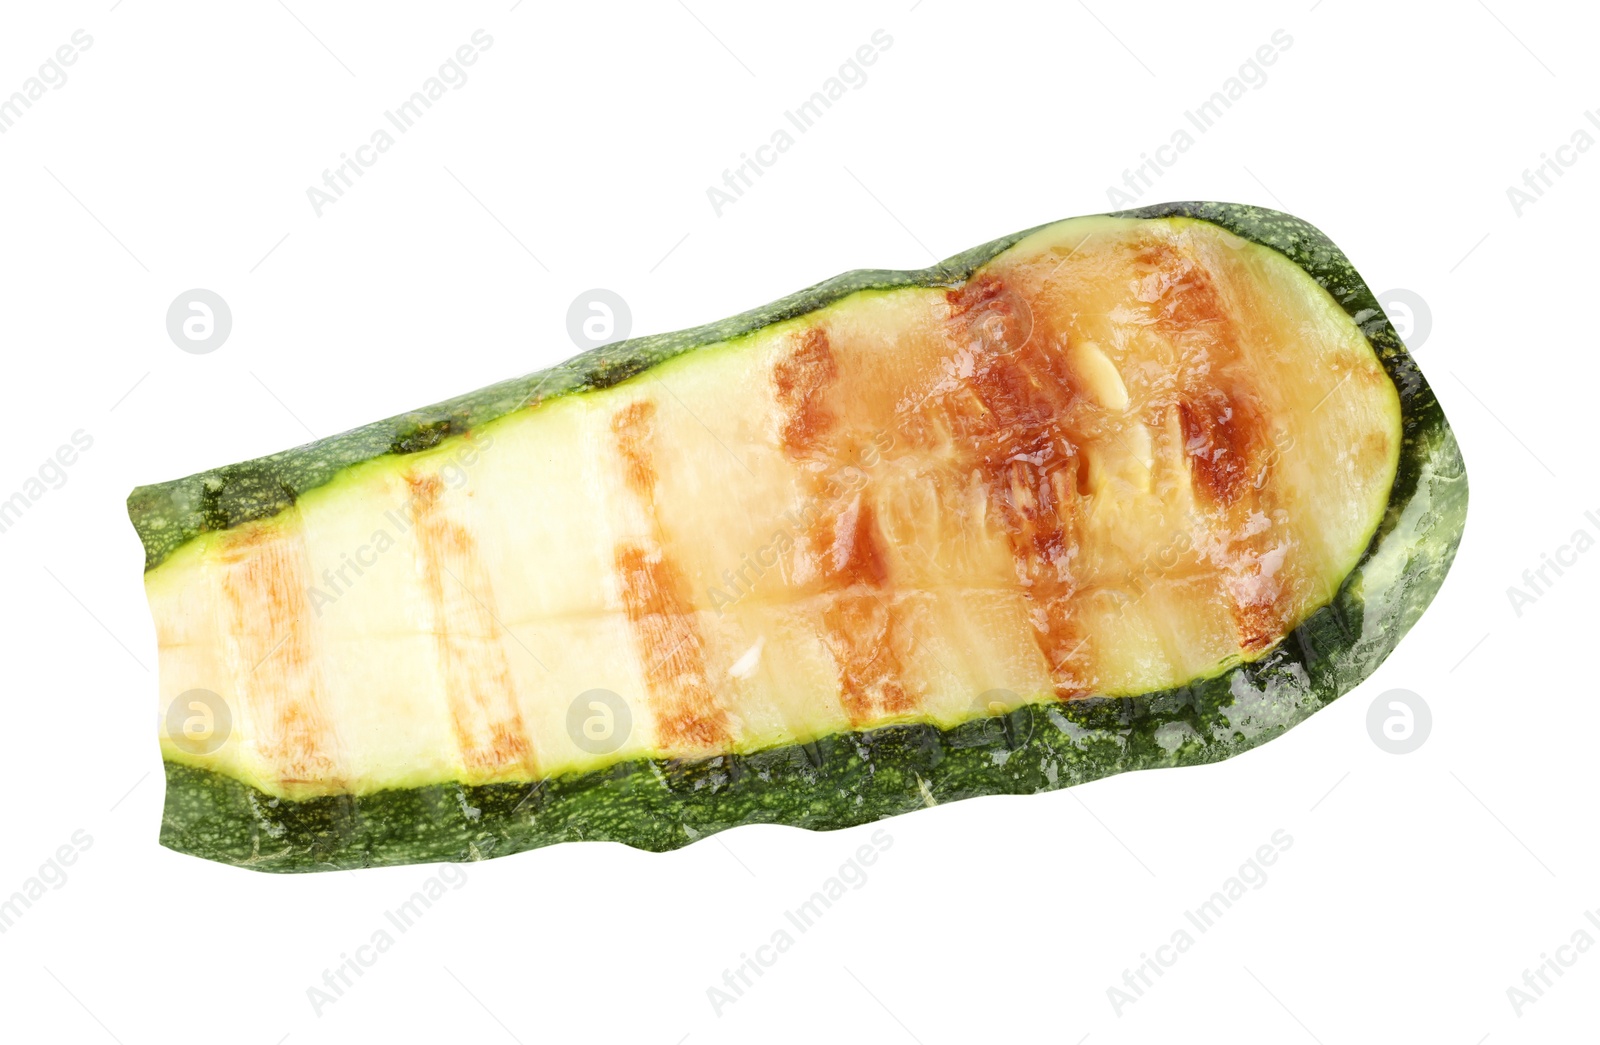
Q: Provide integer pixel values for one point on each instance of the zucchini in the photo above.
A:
(1119, 492)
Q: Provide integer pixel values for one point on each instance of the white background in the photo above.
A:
(178, 154)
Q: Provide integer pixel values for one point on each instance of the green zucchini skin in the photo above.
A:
(849, 778)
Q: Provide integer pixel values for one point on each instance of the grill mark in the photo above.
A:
(863, 628)
(864, 635)
(1227, 448)
(860, 621)
(1223, 440)
(856, 555)
(689, 717)
(265, 582)
(634, 427)
(1013, 410)
(484, 712)
(801, 381)
(1188, 299)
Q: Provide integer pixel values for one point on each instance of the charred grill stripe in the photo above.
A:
(265, 581)
(634, 426)
(482, 698)
(861, 624)
(655, 596)
(689, 715)
(801, 381)
(1227, 445)
(1014, 409)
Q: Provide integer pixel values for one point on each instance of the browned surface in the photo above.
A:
(265, 581)
(661, 615)
(862, 624)
(483, 703)
(1014, 414)
(801, 380)
(633, 426)
(688, 715)
(999, 399)
(841, 553)
(1228, 442)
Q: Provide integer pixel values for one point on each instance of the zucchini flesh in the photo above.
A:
(1120, 492)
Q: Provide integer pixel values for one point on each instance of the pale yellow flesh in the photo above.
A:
(1127, 454)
